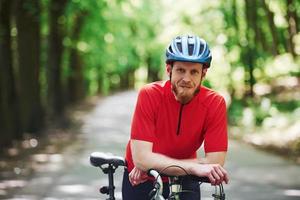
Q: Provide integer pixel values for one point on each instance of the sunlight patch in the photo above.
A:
(12, 184)
(73, 189)
(294, 193)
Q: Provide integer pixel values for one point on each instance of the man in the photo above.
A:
(172, 119)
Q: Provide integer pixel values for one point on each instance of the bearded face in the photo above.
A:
(186, 79)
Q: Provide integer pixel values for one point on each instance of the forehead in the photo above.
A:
(188, 65)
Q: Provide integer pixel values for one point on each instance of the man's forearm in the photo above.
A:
(145, 159)
(214, 158)
(163, 164)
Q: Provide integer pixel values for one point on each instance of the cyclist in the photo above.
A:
(171, 121)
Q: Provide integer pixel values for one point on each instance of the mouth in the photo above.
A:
(185, 86)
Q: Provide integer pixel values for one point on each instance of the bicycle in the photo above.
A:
(109, 163)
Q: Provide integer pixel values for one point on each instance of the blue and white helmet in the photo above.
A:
(189, 48)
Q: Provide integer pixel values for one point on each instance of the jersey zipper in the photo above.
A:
(179, 120)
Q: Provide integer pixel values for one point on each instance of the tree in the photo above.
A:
(8, 101)
(273, 30)
(76, 78)
(249, 56)
(293, 27)
(28, 26)
(153, 66)
(55, 52)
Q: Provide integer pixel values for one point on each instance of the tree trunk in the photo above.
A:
(76, 78)
(28, 17)
(234, 15)
(272, 27)
(292, 25)
(257, 23)
(102, 81)
(131, 79)
(124, 80)
(55, 52)
(9, 123)
(127, 79)
(248, 54)
(153, 73)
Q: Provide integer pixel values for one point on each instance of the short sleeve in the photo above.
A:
(143, 122)
(215, 138)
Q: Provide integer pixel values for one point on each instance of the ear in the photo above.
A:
(169, 69)
(204, 70)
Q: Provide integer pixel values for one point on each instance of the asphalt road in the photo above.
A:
(254, 175)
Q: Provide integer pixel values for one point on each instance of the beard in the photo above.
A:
(185, 93)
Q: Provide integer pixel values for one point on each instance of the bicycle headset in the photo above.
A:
(189, 48)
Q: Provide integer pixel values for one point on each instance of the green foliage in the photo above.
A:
(235, 112)
(117, 38)
(286, 106)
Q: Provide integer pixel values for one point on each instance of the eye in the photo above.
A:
(180, 70)
(194, 72)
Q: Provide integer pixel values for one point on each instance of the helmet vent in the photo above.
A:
(201, 49)
(191, 49)
(179, 46)
(170, 49)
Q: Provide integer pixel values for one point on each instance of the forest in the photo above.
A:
(57, 53)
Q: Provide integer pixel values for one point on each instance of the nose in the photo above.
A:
(186, 77)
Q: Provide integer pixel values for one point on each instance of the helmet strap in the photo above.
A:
(170, 73)
(203, 72)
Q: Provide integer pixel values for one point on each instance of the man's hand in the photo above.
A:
(137, 176)
(215, 172)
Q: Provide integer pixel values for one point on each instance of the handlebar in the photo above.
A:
(201, 179)
(156, 193)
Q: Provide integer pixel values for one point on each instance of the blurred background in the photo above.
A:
(58, 56)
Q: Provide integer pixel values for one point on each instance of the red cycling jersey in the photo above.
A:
(178, 130)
